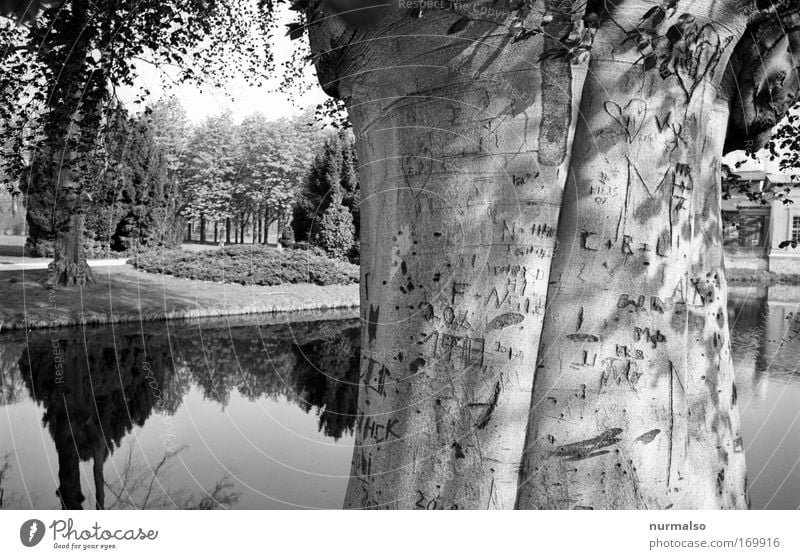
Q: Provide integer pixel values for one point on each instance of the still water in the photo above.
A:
(258, 413)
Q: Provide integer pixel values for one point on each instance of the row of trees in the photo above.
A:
(240, 177)
(59, 75)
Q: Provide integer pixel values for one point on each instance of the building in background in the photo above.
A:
(753, 230)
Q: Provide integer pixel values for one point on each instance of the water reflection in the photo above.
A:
(217, 414)
(765, 340)
(96, 387)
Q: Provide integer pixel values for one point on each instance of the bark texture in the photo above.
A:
(465, 130)
(634, 402)
(69, 266)
(463, 145)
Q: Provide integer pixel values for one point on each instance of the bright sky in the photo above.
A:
(237, 96)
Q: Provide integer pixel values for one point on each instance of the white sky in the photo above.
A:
(237, 96)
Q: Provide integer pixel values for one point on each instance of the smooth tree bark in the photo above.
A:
(464, 122)
(463, 143)
(634, 402)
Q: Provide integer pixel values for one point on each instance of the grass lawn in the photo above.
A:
(123, 294)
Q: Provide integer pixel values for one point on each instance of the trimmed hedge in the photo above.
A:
(248, 265)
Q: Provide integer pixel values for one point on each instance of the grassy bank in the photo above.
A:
(125, 294)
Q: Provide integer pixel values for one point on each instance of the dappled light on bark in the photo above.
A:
(464, 131)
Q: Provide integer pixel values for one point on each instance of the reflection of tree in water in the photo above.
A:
(94, 392)
(106, 385)
(294, 361)
(12, 386)
(326, 376)
(5, 467)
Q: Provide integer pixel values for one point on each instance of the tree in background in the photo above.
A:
(59, 75)
(210, 171)
(145, 191)
(272, 157)
(332, 177)
(336, 232)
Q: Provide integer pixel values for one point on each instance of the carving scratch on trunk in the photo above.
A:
(490, 407)
(372, 322)
(504, 320)
(671, 422)
(648, 437)
(590, 447)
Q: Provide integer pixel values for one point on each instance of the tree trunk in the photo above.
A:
(258, 217)
(69, 266)
(464, 133)
(228, 230)
(634, 404)
(462, 171)
(216, 231)
(266, 226)
(202, 230)
(69, 472)
(189, 232)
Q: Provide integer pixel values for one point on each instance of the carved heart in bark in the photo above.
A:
(696, 56)
(630, 118)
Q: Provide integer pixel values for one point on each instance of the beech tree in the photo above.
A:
(541, 244)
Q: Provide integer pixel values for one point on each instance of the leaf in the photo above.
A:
(295, 30)
(458, 26)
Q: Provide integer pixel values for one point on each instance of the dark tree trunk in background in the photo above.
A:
(69, 266)
(216, 231)
(228, 230)
(258, 216)
(202, 230)
(189, 231)
(266, 226)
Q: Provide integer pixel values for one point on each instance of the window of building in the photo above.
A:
(746, 230)
(752, 232)
(796, 228)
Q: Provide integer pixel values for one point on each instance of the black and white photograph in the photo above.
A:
(291, 255)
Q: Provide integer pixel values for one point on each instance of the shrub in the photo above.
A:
(336, 233)
(44, 248)
(287, 236)
(248, 265)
